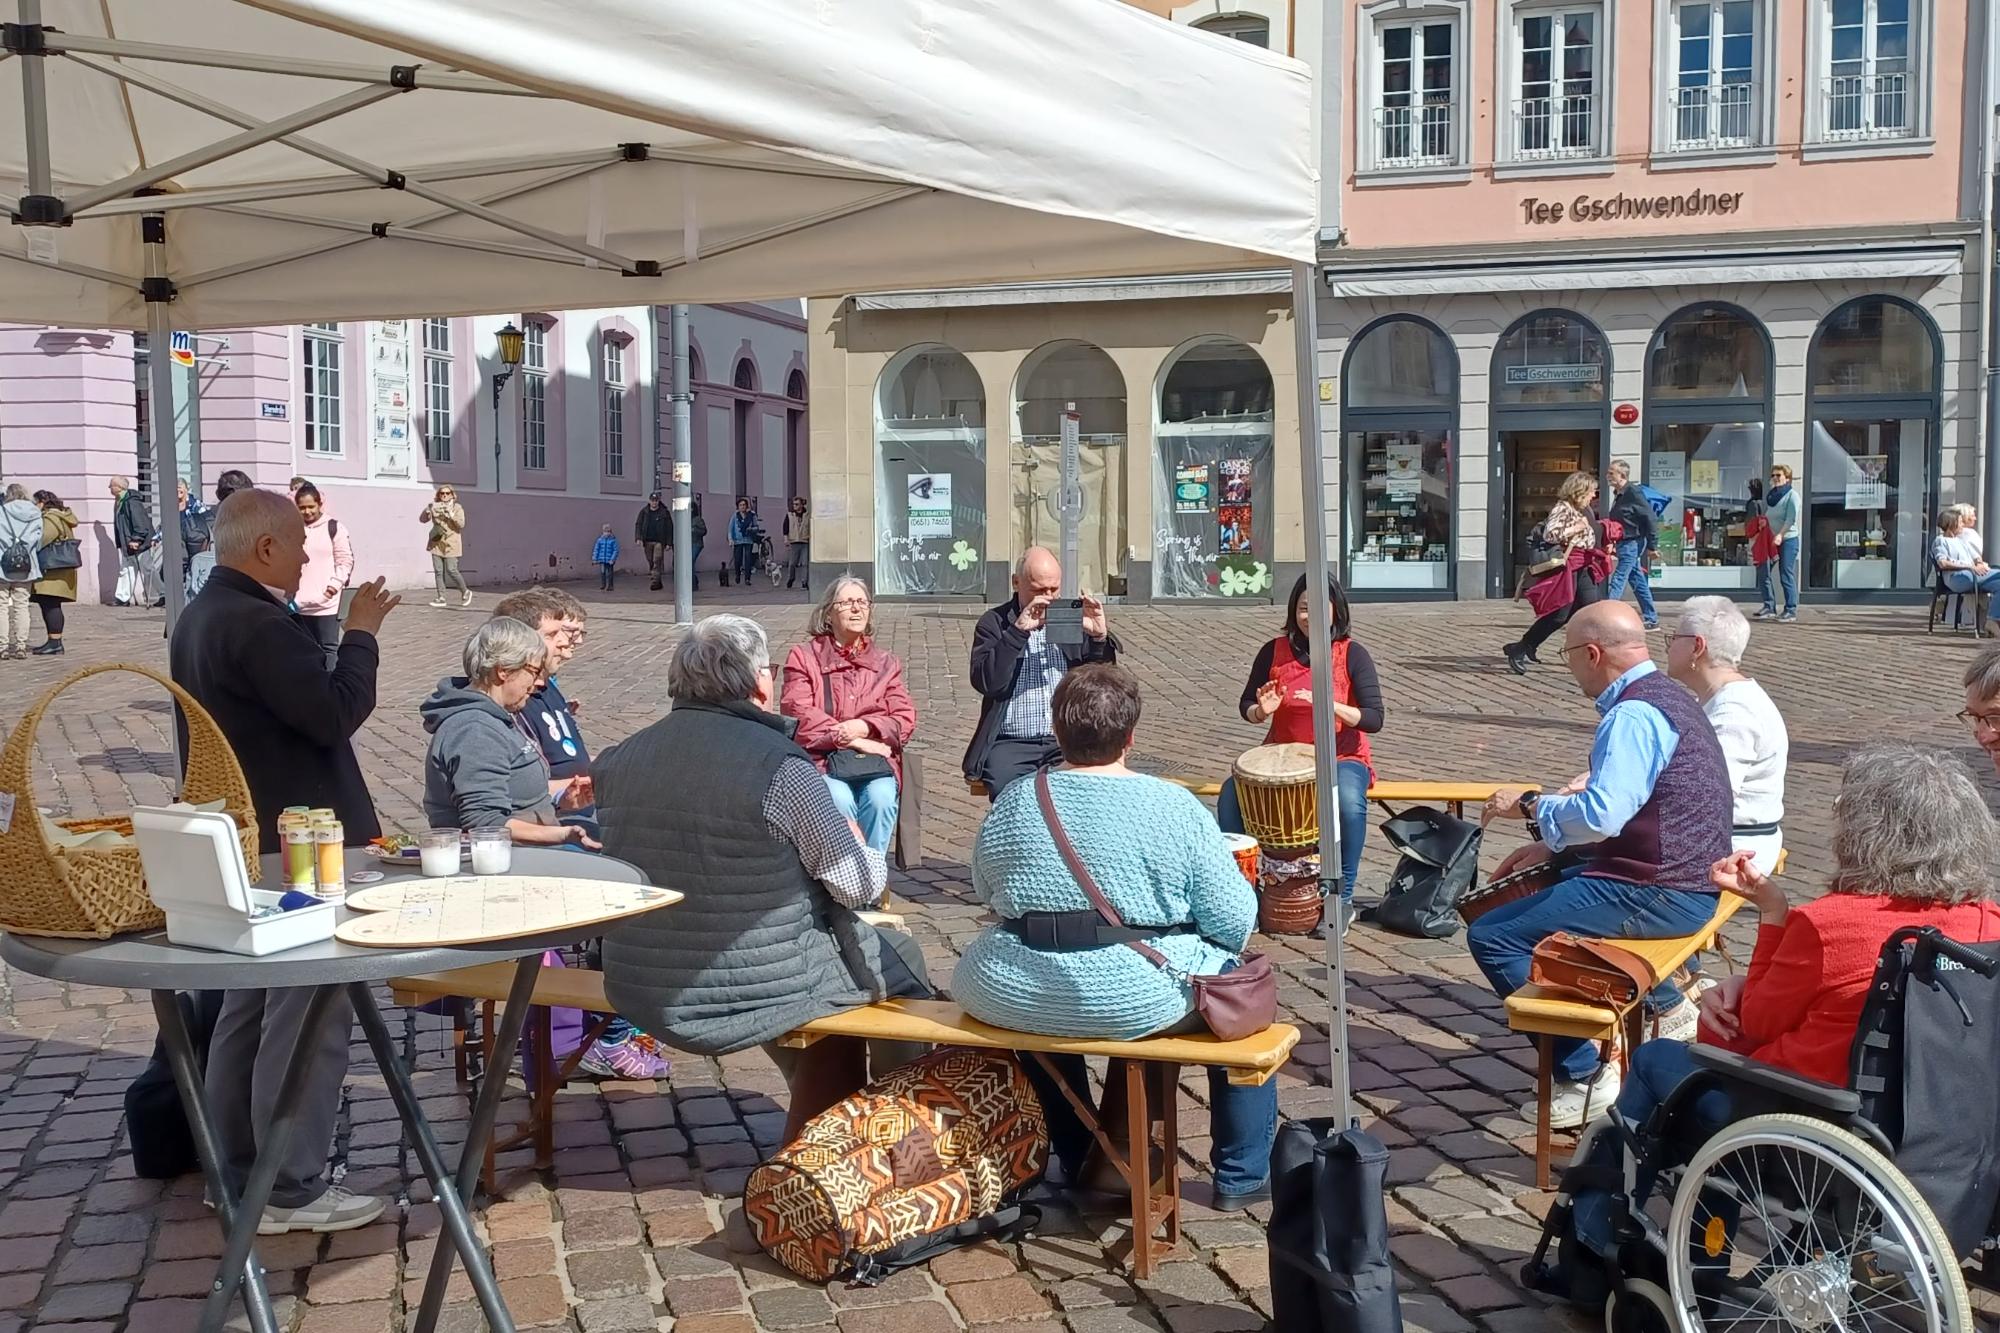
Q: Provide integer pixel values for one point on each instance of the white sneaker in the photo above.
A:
(335, 1210)
(465, 600)
(1575, 1105)
(438, 602)
(1678, 1023)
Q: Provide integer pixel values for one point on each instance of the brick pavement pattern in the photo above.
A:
(638, 1225)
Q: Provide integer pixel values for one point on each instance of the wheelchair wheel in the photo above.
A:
(1783, 1222)
(1638, 1307)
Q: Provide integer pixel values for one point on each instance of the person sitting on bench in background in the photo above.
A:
(1054, 966)
(1016, 669)
(1705, 653)
(1652, 816)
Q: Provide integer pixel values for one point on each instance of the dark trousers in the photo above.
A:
(52, 613)
(605, 570)
(745, 561)
(327, 630)
(1588, 590)
(796, 557)
(1015, 757)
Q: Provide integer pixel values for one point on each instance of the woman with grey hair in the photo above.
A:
(1913, 846)
(855, 714)
(1961, 558)
(485, 769)
(1705, 653)
(20, 565)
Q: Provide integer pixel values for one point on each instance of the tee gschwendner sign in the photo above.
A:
(1621, 206)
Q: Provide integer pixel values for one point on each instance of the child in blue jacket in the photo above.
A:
(605, 556)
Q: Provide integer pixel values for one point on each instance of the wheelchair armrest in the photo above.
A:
(1729, 1067)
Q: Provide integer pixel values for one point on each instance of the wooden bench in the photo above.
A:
(1156, 1214)
(1454, 796)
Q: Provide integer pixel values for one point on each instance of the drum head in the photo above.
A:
(1240, 843)
(1279, 765)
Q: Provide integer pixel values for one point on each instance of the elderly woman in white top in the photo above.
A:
(1705, 653)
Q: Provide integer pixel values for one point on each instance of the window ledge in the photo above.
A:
(1577, 166)
(1706, 159)
(1840, 149)
(1377, 176)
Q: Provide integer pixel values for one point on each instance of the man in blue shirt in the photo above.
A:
(1649, 819)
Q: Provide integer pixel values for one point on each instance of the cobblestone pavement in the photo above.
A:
(637, 1224)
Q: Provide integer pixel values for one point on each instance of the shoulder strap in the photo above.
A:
(1082, 874)
(332, 528)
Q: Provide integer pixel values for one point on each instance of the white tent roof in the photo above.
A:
(790, 147)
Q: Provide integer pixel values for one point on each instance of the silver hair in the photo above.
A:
(1721, 625)
(822, 616)
(247, 515)
(122, 483)
(1909, 823)
(502, 644)
(16, 491)
(719, 661)
(1621, 467)
(1982, 678)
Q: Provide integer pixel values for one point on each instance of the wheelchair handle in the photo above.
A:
(1938, 942)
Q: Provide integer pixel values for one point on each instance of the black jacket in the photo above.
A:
(997, 646)
(654, 525)
(263, 677)
(130, 523)
(1630, 510)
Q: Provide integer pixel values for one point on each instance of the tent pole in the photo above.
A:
(683, 471)
(35, 106)
(159, 293)
(1312, 460)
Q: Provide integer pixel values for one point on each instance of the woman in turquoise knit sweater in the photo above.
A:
(1157, 856)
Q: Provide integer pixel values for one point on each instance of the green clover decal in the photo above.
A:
(962, 557)
(1241, 576)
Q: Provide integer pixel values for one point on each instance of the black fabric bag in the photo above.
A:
(61, 555)
(1439, 865)
(1331, 1271)
(852, 765)
(162, 1143)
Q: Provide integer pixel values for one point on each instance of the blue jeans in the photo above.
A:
(1503, 940)
(1632, 565)
(1658, 1067)
(1353, 818)
(871, 804)
(1964, 580)
(1788, 575)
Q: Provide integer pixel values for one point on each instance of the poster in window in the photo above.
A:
(1404, 475)
(1667, 473)
(389, 397)
(1191, 488)
(1705, 477)
(1235, 481)
(1868, 481)
(930, 505)
(1232, 524)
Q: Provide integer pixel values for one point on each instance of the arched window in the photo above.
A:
(746, 375)
(1871, 465)
(1550, 358)
(1551, 415)
(1212, 507)
(1054, 378)
(1708, 443)
(930, 474)
(1398, 418)
(795, 385)
(1252, 28)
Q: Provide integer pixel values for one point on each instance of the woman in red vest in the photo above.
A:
(1279, 692)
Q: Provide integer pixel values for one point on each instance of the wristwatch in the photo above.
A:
(1526, 805)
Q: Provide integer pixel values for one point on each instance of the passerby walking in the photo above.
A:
(329, 569)
(1632, 512)
(605, 556)
(1782, 514)
(697, 534)
(20, 565)
(132, 528)
(197, 527)
(446, 544)
(798, 544)
(743, 534)
(655, 534)
(60, 560)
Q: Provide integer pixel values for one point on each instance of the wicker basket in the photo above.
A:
(78, 894)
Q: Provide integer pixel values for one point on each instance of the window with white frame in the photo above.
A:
(1416, 90)
(1869, 73)
(1558, 104)
(614, 407)
(1715, 101)
(534, 395)
(323, 348)
(1251, 28)
(436, 406)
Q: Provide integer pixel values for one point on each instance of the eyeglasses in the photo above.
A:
(1978, 722)
(1672, 637)
(574, 633)
(851, 604)
(1575, 648)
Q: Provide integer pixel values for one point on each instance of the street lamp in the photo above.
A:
(512, 342)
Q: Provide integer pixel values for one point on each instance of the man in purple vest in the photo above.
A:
(1649, 819)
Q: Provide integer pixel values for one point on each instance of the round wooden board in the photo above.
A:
(472, 909)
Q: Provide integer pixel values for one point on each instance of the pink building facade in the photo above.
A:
(1699, 236)
(378, 414)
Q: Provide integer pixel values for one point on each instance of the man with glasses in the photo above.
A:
(1648, 821)
(1782, 513)
(558, 618)
(1982, 702)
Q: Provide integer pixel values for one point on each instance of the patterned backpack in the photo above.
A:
(928, 1157)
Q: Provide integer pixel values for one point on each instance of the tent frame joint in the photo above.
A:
(158, 289)
(394, 180)
(635, 152)
(643, 268)
(25, 39)
(41, 210)
(403, 76)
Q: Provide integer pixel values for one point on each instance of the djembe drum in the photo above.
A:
(1277, 787)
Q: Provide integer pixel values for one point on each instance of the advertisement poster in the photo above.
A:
(1668, 473)
(930, 505)
(1705, 477)
(1868, 482)
(1404, 479)
(1235, 481)
(1191, 488)
(389, 397)
(1232, 529)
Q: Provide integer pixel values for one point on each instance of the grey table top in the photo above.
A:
(151, 962)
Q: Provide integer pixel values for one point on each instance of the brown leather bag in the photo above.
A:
(1235, 1004)
(1591, 971)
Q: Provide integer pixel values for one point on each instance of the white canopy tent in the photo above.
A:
(210, 164)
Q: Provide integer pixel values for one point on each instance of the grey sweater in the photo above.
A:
(483, 768)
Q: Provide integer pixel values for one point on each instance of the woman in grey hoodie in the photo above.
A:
(484, 769)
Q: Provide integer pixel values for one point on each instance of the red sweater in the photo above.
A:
(1802, 999)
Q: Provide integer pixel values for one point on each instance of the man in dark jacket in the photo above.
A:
(132, 528)
(1634, 513)
(655, 532)
(1015, 669)
(262, 676)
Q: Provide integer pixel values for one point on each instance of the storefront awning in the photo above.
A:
(1623, 271)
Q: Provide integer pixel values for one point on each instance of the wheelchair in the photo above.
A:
(1809, 1207)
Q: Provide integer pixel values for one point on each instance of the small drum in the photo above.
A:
(1244, 849)
(1512, 888)
(1277, 787)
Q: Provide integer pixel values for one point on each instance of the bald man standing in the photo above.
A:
(1015, 669)
(1649, 819)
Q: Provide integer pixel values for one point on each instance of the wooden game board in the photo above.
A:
(471, 909)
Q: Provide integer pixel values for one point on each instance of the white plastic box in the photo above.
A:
(195, 873)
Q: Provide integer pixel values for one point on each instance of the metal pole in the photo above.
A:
(1319, 501)
(159, 293)
(1989, 216)
(35, 106)
(683, 470)
(1069, 496)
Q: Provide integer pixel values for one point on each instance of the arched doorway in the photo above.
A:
(1550, 410)
(1055, 377)
(1872, 445)
(1212, 508)
(930, 475)
(1399, 423)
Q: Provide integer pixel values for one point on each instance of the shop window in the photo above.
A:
(1398, 423)
(1549, 413)
(1212, 519)
(930, 476)
(1871, 457)
(1053, 380)
(1708, 440)
(1550, 359)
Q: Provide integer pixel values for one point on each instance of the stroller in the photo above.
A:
(1814, 1208)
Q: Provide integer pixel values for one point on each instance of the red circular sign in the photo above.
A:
(1624, 414)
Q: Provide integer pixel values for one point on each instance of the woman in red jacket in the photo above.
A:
(855, 714)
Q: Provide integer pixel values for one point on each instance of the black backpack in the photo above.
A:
(16, 560)
(1438, 866)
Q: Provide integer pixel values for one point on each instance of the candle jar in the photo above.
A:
(492, 851)
(438, 850)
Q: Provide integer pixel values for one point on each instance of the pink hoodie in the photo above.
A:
(329, 563)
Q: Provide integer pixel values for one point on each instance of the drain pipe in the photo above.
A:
(1989, 287)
